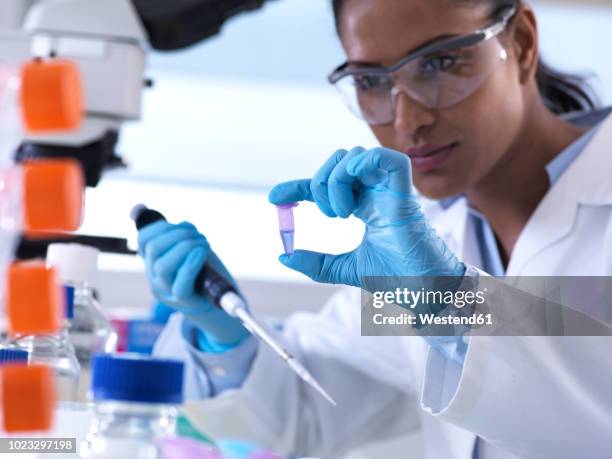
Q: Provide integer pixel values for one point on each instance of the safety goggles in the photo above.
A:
(437, 75)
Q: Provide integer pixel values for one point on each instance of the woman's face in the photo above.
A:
(478, 130)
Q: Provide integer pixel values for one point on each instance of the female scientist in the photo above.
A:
(456, 95)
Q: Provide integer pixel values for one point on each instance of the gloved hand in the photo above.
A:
(375, 186)
(174, 255)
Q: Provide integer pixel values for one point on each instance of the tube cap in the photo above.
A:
(137, 378)
(8, 356)
(53, 195)
(33, 299)
(69, 301)
(28, 398)
(51, 95)
(73, 262)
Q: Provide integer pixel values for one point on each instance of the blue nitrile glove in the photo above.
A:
(375, 186)
(174, 255)
(161, 313)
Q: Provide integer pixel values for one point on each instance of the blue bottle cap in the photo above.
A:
(13, 356)
(137, 378)
(69, 296)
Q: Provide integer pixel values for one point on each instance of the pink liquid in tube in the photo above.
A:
(286, 225)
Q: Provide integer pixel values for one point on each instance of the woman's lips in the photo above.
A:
(430, 157)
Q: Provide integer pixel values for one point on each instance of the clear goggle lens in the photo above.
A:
(437, 80)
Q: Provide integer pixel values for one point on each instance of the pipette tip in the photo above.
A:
(303, 373)
(323, 393)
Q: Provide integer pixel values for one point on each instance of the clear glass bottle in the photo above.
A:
(35, 310)
(87, 327)
(90, 331)
(54, 351)
(135, 406)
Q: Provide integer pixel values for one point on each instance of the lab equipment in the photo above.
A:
(108, 39)
(165, 248)
(8, 356)
(265, 455)
(221, 293)
(35, 311)
(135, 406)
(186, 429)
(10, 177)
(136, 335)
(107, 42)
(188, 448)
(286, 225)
(36, 96)
(398, 241)
(438, 75)
(45, 196)
(27, 398)
(88, 328)
(198, 19)
(244, 450)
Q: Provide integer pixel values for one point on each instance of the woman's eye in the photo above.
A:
(369, 82)
(436, 64)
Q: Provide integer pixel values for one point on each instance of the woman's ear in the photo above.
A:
(524, 42)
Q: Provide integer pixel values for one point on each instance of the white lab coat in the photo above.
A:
(534, 397)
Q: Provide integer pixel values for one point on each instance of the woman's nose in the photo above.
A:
(411, 116)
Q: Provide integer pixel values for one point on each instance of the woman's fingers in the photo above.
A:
(323, 267)
(335, 186)
(289, 192)
(314, 189)
(320, 182)
(150, 234)
(340, 187)
(381, 166)
(184, 282)
(166, 267)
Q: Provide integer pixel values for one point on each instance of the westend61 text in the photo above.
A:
(433, 319)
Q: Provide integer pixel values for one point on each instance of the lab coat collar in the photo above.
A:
(590, 175)
(585, 182)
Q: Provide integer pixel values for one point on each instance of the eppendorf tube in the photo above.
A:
(286, 225)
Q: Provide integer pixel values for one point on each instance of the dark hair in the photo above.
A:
(562, 92)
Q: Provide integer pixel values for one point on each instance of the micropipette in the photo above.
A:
(222, 294)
